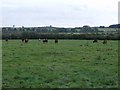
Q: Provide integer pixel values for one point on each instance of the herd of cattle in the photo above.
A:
(104, 41)
(44, 40)
(56, 41)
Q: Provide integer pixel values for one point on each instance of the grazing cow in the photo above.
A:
(23, 40)
(39, 39)
(45, 41)
(6, 40)
(105, 42)
(95, 41)
(26, 40)
(56, 40)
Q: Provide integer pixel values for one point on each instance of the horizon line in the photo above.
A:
(56, 26)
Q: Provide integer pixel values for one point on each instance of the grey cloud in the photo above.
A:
(59, 14)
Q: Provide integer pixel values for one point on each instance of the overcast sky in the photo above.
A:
(60, 13)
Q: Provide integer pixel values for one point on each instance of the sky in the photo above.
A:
(58, 13)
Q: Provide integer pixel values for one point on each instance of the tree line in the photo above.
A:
(85, 32)
(33, 35)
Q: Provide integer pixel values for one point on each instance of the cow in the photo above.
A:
(95, 41)
(56, 40)
(23, 40)
(6, 40)
(39, 39)
(105, 42)
(26, 40)
(45, 41)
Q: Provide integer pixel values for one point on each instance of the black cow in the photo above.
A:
(56, 40)
(26, 40)
(6, 40)
(23, 40)
(95, 41)
(45, 40)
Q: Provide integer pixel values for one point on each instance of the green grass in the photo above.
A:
(0, 64)
(68, 64)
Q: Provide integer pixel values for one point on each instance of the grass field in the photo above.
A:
(68, 64)
(0, 64)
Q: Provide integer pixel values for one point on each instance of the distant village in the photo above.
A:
(51, 29)
(18, 32)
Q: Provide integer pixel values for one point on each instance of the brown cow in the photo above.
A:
(105, 42)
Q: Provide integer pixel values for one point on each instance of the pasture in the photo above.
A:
(68, 64)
